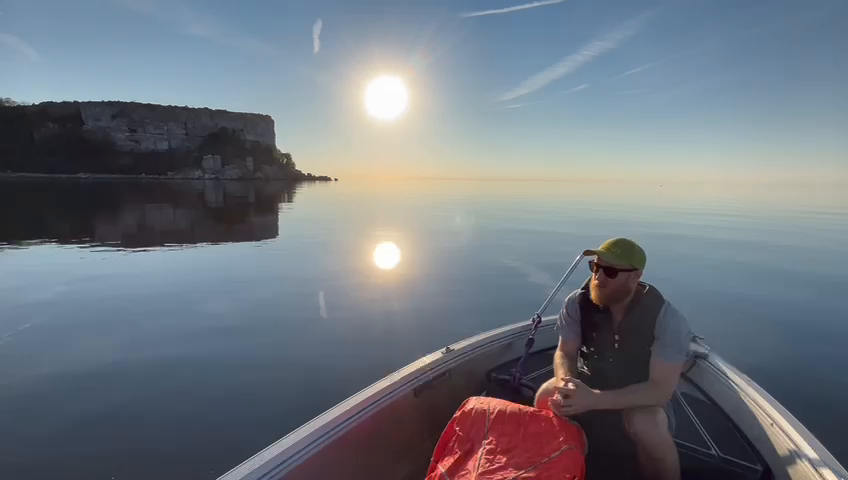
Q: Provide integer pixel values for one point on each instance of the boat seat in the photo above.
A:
(710, 446)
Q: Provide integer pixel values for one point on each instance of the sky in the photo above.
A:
(554, 89)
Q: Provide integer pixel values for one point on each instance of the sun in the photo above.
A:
(387, 255)
(386, 97)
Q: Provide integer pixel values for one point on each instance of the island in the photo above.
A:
(129, 139)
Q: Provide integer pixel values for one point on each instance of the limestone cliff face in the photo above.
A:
(125, 138)
(140, 127)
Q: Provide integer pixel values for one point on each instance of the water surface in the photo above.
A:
(173, 329)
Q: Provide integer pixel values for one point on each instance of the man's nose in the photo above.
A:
(599, 276)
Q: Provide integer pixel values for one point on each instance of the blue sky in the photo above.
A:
(684, 89)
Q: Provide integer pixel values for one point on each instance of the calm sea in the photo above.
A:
(171, 330)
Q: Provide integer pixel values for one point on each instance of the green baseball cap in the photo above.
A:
(620, 251)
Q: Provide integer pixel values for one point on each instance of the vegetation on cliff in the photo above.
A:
(36, 140)
(231, 147)
(62, 148)
(6, 101)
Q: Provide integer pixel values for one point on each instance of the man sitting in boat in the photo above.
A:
(633, 344)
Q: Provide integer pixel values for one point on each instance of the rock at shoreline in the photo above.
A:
(211, 163)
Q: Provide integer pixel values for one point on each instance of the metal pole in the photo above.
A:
(517, 372)
(559, 285)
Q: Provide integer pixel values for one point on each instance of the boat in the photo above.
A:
(727, 426)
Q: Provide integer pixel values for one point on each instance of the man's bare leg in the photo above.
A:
(648, 427)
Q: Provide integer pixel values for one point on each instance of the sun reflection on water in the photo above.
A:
(386, 255)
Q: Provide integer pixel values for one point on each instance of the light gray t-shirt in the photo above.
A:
(671, 333)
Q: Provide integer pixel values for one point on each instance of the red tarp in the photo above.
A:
(493, 439)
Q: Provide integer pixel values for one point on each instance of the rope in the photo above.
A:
(518, 371)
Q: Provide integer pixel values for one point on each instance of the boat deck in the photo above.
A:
(709, 443)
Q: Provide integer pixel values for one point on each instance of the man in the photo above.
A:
(632, 342)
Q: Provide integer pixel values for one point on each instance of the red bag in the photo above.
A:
(494, 439)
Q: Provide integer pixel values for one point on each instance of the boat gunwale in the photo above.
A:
(798, 440)
(287, 452)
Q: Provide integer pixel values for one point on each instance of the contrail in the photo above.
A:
(516, 8)
(316, 35)
(654, 63)
(564, 92)
(636, 70)
(515, 105)
(581, 57)
(575, 89)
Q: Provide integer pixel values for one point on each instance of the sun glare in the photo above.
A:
(386, 97)
(387, 255)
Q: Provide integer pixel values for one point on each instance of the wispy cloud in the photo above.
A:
(575, 89)
(196, 24)
(316, 36)
(515, 8)
(17, 43)
(581, 57)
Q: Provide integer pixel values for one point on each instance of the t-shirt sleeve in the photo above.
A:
(568, 323)
(671, 335)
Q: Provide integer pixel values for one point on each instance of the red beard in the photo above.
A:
(608, 296)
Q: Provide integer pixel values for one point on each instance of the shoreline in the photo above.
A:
(112, 176)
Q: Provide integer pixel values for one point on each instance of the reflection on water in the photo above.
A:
(387, 255)
(139, 214)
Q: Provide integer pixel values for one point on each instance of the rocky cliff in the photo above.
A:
(141, 127)
(126, 138)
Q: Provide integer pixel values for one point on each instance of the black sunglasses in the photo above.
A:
(609, 272)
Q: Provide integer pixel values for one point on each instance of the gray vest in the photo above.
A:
(618, 357)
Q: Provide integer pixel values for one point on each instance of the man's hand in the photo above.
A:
(573, 397)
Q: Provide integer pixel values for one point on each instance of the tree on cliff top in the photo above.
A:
(10, 102)
(285, 158)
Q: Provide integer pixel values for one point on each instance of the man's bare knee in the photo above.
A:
(648, 427)
(646, 424)
(545, 392)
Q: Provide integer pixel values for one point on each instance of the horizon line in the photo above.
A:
(660, 181)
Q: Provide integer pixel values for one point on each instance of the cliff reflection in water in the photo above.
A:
(129, 214)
